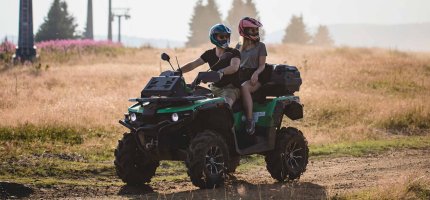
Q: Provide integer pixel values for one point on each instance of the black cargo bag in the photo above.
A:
(287, 76)
(283, 80)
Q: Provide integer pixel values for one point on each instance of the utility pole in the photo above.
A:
(89, 29)
(26, 49)
(119, 13)
(110, 19)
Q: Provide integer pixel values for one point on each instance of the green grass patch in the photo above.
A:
(249, 162)
(48, 133)
(47, 166)
(411, 119)
(369, 146)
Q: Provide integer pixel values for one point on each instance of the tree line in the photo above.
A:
(207, 15)
(59, 24)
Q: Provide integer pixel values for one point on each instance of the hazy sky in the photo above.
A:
(168, 19)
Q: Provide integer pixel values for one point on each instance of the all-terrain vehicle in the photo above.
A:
(176, 121)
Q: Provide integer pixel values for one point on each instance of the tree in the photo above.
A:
(204, 17)
(236, 12)
(239, 10)
(322, 37)
(58, 24)
(296, 32)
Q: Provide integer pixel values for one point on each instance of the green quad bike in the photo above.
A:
(184, 122)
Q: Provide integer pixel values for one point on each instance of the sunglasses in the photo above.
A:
(222, 37)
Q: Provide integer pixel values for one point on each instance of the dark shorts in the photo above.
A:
(264, 77)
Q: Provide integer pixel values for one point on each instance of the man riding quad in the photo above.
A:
(226, 87)
(176, 121)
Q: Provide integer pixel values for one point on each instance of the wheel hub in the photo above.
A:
(214, 160)
(292, 157)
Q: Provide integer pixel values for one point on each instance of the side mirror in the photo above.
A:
(165, 57)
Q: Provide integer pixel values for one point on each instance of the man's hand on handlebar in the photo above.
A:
(220, 73)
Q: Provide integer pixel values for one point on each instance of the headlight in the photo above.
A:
(175, 117)
(133, 117)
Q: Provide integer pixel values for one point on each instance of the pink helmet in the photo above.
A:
(248, 22)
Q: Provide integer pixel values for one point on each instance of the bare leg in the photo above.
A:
(247, 101)
(246, 90)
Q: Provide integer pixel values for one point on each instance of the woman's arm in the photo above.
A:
(192, 65)
(261, 64)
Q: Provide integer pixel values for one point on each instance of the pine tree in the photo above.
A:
(322, 37)
(58, 24)
(296, 32)
(205, 16)
(235, 14)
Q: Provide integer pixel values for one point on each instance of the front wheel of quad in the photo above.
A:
(207, 160)
(233, 164)
(133, 166)
(290, 157)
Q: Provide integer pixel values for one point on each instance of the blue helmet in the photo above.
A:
(220, 29)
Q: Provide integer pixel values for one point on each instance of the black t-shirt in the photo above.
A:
(211, 58)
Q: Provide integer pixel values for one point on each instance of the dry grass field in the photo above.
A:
(71, 107)
(349, 94)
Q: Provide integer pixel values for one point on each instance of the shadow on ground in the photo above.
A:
(235, 190)
(14, 190)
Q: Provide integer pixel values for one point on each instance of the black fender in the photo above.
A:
(293, 109)
(219, 109)
(216, 116)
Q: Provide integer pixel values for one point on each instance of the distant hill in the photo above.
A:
(414, 37)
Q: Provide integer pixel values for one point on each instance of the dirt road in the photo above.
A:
(325, 177)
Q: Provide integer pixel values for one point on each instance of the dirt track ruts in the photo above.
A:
(324, 177)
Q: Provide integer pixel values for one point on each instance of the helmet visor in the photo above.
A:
(221, 37)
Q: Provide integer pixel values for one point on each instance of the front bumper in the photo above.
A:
(161, 127)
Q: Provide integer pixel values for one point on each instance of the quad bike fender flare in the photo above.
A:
(219, 116)
(217, 106)
(293, 109)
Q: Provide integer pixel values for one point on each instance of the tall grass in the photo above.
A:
(349, 94)
(66, 51)
(407, 186)
(7, 49)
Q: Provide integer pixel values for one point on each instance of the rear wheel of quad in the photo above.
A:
(207, 160)
(290, 157)
(133, 166)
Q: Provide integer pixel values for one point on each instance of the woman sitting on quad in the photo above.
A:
(219, 35)
(253, 61)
